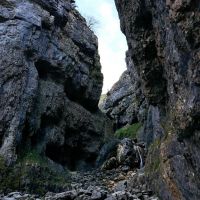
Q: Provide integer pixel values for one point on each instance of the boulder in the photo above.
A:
(129, 154)
(126, 155)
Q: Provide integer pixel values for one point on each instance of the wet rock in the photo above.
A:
(128, 153)
(126, 156)
(153, 130)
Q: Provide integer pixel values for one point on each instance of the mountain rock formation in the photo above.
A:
(164, 44)
(124, 102)
(50, 84)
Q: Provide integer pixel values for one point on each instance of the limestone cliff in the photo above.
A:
(164, 42)
(124, 103)
(50, 83)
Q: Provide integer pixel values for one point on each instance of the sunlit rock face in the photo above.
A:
(164, 43)
(50, 83)
(124, 102)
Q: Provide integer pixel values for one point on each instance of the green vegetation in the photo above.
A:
(32, 173)
(155, 145)
(33, 157)
(8, 180)
(129, 131)
(102, 99)
(153, 164)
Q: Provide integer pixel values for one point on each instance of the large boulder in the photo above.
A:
(125, 155)
(164, 44)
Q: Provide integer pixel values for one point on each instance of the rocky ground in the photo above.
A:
(118, 178)
(98, 185)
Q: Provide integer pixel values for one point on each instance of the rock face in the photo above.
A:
(50, 83)
(123, 102)
(164, 44)
(125, 155)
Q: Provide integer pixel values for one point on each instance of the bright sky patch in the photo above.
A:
(112, 43)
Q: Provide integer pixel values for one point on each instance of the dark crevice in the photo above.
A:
(2, 19)
(72, 153)
(192, 38)
(144, 21)
(25, 139)
(47, 71)
(77, 94)
(71, 157)
(150, 51)
(84, 48)
(46, 25)
(1, 140)
(144, 18)
(30, 53)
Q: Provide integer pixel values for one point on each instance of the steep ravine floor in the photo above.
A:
(120, 177)
(98, 185)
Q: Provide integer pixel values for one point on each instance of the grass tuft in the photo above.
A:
(129, 131)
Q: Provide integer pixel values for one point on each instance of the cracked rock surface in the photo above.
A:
(50, 83)
(164, 45)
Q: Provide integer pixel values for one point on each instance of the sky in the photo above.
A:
(112, 43)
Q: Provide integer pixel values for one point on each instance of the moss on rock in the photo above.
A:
(129, 131)
(33, 173)
(153, 162)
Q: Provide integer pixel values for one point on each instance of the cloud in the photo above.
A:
(112, 43)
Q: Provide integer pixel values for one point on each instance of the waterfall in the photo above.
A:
(141, 160)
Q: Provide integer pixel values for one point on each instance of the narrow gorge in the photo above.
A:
(59, 141)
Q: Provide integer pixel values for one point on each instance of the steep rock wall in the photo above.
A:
(164, 42)
(50, 83)
(124, 103)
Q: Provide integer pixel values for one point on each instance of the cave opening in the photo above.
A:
(42, 68)
(48, 71)
(73, 152)
(73, 158)
(25, 139)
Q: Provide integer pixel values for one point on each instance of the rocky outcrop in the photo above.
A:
(119, 104)
(50, 84)
(164, 43)
(124, 103)
(125, 154)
